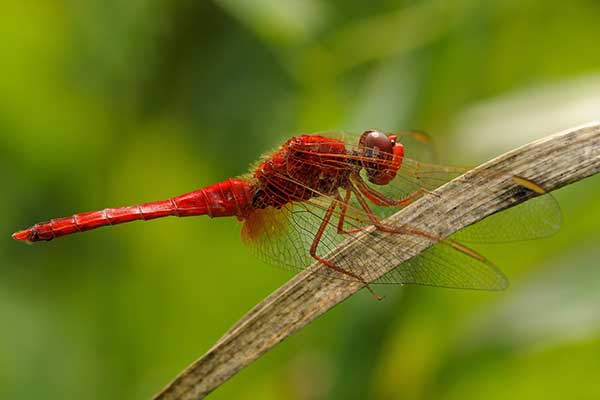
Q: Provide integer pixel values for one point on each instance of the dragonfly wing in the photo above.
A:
(284, 236)
(536, 218)
(443, 265)
(418, 145)
(274, 238)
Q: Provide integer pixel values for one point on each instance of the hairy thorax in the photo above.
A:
(306, 166)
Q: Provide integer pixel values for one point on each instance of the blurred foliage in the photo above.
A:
(110, 102)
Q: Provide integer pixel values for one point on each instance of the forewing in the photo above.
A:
(418, 145)
(535, 218)
(284, 236)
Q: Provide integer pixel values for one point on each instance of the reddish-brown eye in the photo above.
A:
(377, 140)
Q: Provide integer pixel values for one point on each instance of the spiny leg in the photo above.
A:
(317, 240)
(380, 199)
(344, 209)
(385, 228)
(446, 242)
(403, 230)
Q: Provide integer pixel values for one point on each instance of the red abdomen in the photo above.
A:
(232, 197)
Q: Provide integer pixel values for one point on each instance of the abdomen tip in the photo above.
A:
(23, 236)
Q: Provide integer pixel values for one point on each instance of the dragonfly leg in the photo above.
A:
(380, 199)
(385, 228)
(315, 245)
(372, 218)
(410, 231)
(344, 209)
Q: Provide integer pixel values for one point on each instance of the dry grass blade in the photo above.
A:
(553, 162)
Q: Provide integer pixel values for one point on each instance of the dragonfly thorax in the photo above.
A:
(306, 166)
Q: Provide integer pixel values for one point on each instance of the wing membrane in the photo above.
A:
(284, 236)
(538, 217)
(443, 266)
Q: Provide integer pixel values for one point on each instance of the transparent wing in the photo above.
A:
(284, 236)
(536, 218)
(418, 145)
(443, 265)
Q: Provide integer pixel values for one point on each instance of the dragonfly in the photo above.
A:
(301, 201)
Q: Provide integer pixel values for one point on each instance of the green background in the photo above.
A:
(113, 102)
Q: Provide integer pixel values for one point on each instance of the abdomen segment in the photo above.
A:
(228, 198)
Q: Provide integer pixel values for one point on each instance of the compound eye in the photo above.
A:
(377, 140)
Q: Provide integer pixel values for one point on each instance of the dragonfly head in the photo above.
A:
(382, 156)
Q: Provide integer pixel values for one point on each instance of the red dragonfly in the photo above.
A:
(313, 192)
